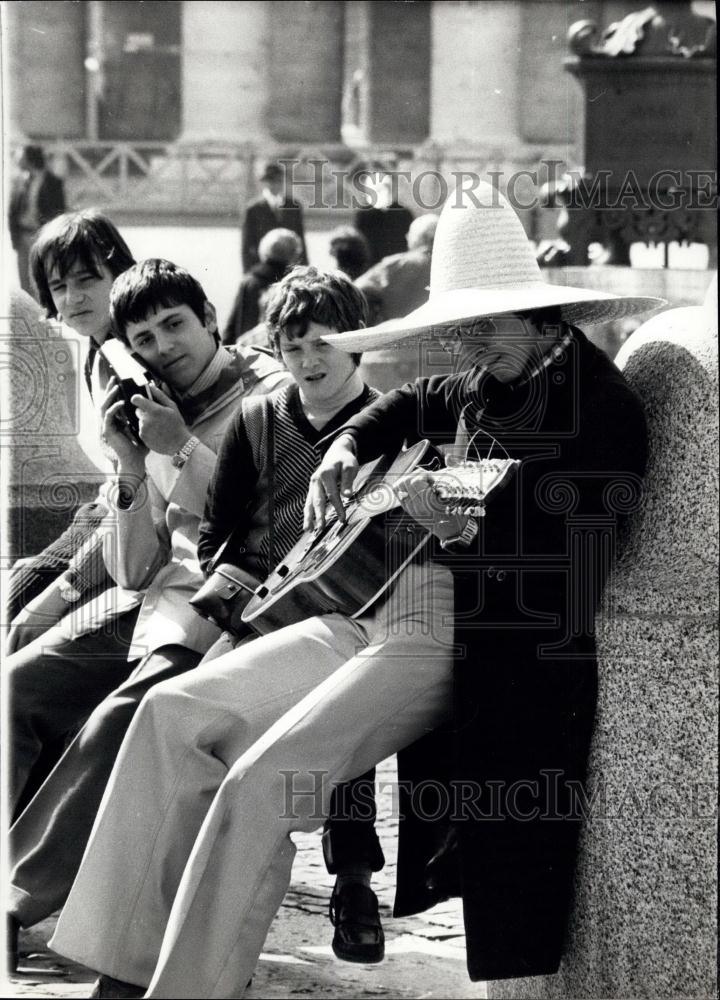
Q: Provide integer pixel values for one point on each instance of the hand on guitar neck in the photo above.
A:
(421, 497)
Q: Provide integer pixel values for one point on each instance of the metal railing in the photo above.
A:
(154, 176)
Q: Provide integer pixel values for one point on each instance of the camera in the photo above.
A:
(132, 379)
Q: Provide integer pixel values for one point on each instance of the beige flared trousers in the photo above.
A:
(190, 856)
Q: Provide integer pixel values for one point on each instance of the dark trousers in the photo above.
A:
(53, 684)
(29, 578)
(48, 839)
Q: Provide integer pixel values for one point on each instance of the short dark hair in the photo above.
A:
(351, 250)
(272, 172)
(88, 237)
(34, 157)
(307, 295)
(151, 285)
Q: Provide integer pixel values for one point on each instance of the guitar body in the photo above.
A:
(347, 566)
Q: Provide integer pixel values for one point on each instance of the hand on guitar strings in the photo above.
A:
(331, 481)
(418, 496)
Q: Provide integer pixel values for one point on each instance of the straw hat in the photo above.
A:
(483, 265)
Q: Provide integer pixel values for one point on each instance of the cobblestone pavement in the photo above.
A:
(425, 954)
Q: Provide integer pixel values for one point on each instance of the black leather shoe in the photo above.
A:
(12, 928)
(107, 988)
(358, 932)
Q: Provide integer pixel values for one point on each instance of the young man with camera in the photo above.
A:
(84, 664)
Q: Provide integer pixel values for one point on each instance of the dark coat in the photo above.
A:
(245, 313)
(260, 218)
(510, 767)
(385, 229)
(51, 203)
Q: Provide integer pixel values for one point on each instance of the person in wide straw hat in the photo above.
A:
(483, 265)
(527, 385)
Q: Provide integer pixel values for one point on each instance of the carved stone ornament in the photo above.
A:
(663, 29)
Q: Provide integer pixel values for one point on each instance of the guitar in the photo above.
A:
(346, 566)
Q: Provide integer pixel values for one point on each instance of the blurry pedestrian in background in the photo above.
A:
(399, 284)
(383, 221)
(272, 210)
(37, 197)
(350, 250)
(279, 250)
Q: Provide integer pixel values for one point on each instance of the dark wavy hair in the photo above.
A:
(151, 285)
(307, 295)
(351, 251)
(88, 237)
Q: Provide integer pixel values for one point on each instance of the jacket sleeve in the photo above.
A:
(417, 410)
(383, 426)
(187, 487)
(135, 539)
(232, 327)
(300, 230)
(250, 239)
(230, 492)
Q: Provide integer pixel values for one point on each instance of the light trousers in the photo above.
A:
(191, 855)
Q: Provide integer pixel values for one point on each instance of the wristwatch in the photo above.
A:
(464, 537)
(183, 454)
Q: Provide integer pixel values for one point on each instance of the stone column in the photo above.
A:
(306, 70)
(475, 88)
(45, 74)
(225, 55)
(387, 81)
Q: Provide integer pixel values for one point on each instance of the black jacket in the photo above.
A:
(385, 229)
(260, 218)
(51, 203)
(246, 313)
(509, 770)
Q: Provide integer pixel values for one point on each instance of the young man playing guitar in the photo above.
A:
(221, 767)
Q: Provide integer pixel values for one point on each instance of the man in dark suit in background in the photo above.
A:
(274, 209)
(37, 197)
(383, 221)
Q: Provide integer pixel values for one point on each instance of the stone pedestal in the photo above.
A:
(644, 918)
(225, 81)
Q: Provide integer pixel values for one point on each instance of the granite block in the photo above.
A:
(644, 919)
(45, 424)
